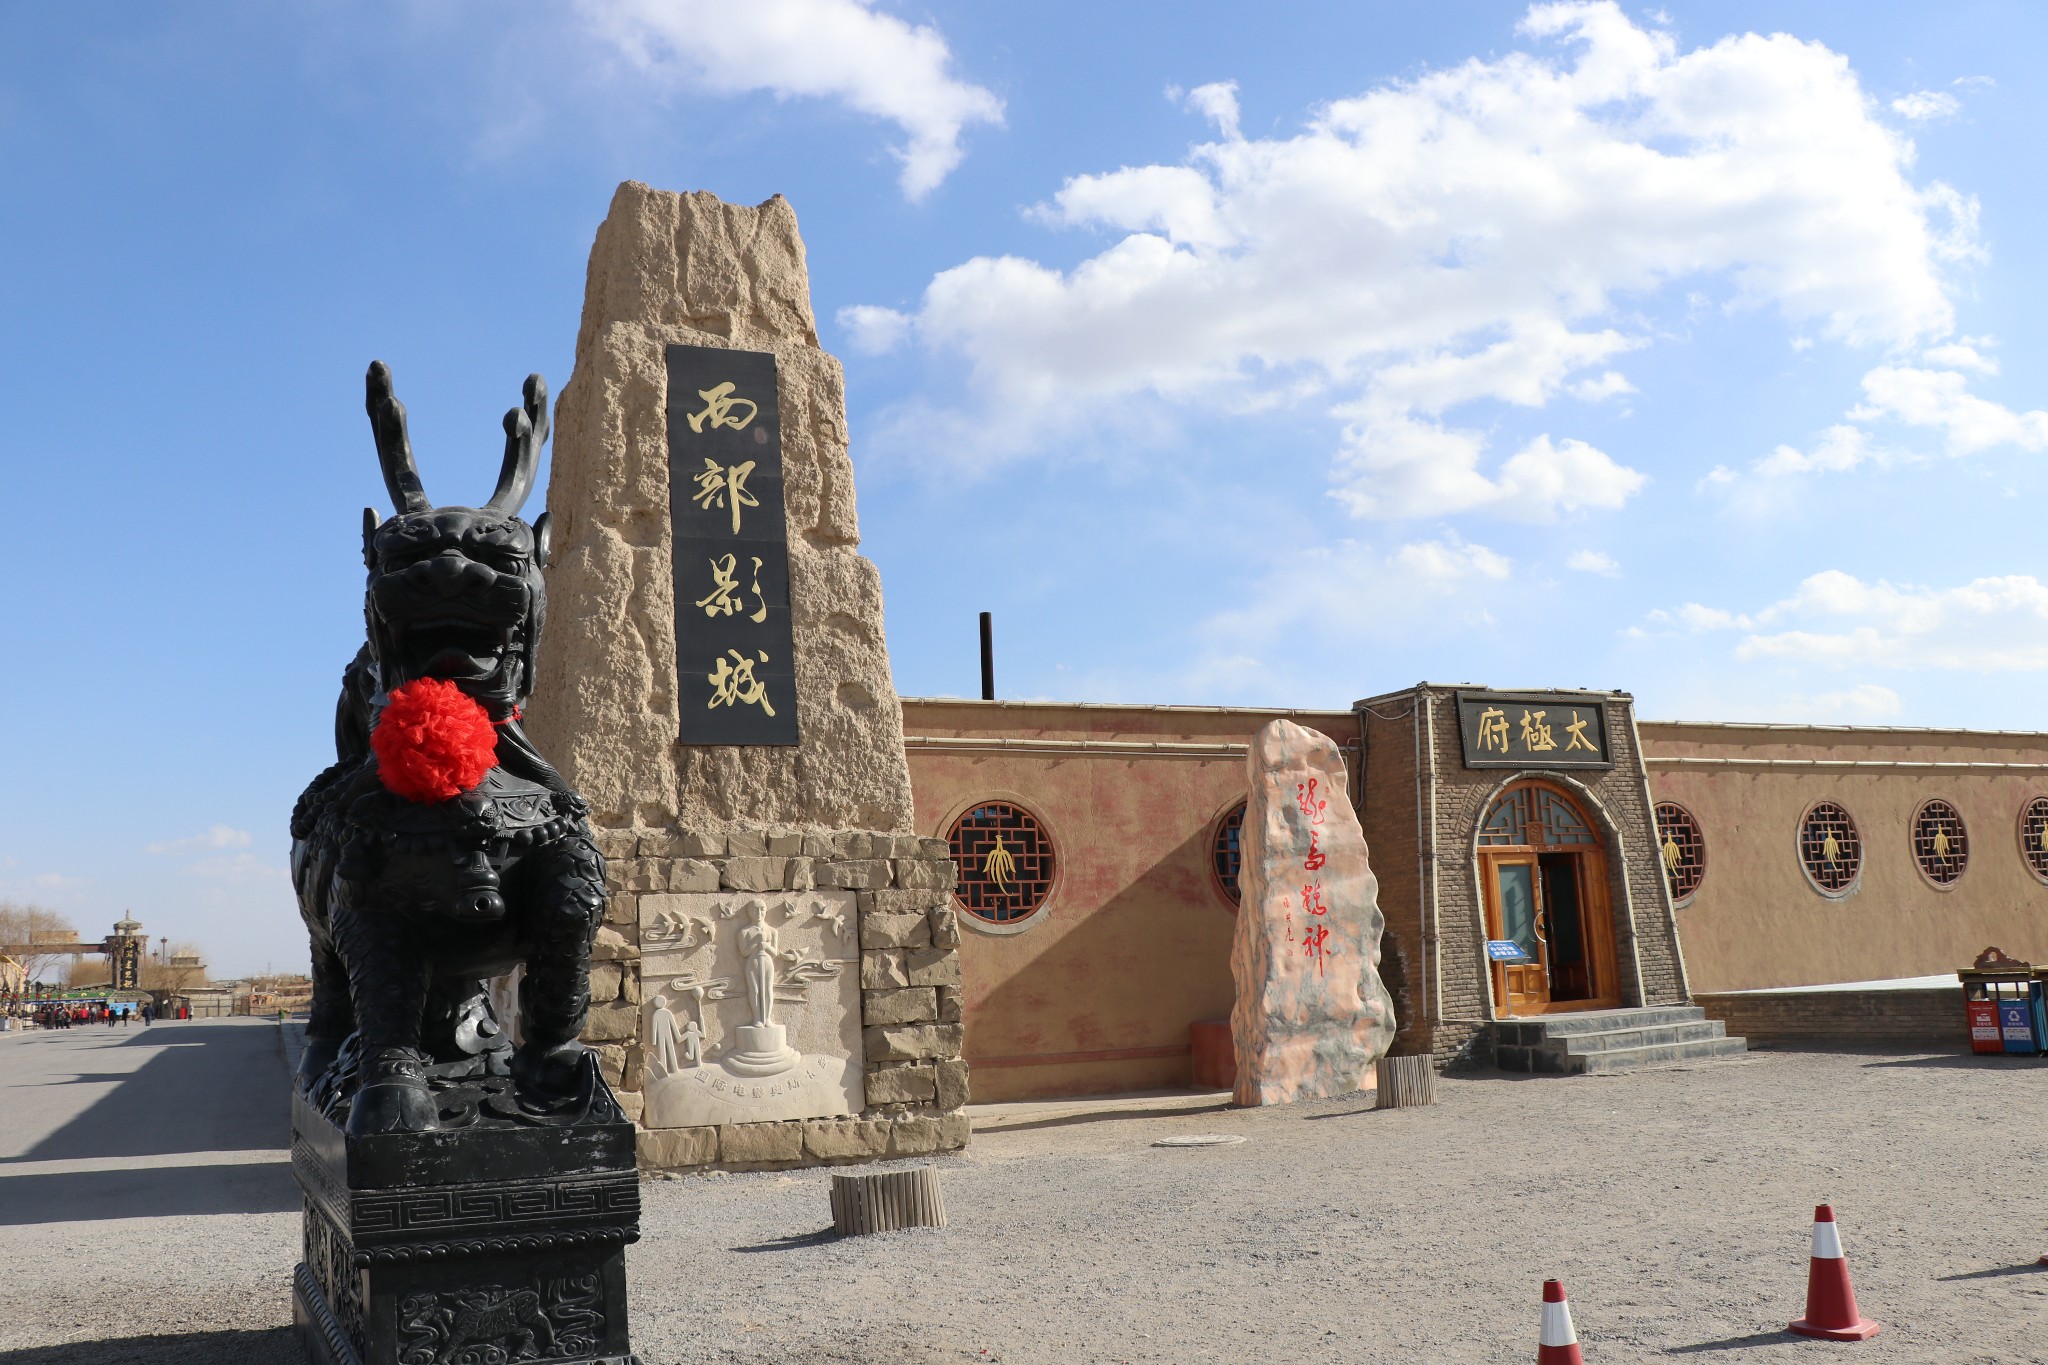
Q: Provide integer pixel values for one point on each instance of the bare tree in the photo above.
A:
(28, 931)
(179, 970)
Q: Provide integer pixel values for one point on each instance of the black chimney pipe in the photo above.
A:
(988, 657)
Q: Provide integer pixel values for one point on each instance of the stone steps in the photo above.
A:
(1602, 1041)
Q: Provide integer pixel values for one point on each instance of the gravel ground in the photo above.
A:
(1676, 1206)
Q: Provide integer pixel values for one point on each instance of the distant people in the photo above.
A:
(145, 1016)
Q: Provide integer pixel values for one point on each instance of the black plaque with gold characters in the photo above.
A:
(1533, 730)
(735, 664)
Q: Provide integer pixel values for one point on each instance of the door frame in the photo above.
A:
(1596, 903)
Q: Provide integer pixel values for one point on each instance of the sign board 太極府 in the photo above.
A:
(735, 646)
(1533, 730)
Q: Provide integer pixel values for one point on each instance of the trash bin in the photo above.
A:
(2006, 1005)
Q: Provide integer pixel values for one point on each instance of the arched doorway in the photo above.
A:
(1543, 871)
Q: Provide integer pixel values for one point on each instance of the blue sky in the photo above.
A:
(1273, 355)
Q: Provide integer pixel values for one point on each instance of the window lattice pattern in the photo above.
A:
(1005, 860)
(2034, 836)
(1829, 848)
(1562, 824)
(1226, 855)
(1508, 822)
(1525, 817)
(1682, 849)
(1940, 844)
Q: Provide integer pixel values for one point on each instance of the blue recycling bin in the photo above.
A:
(2023, 1016)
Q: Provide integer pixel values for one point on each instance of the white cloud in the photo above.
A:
(216, 836)
(1838, 620)
(1217, 102)
(830, 49)
(1593, 561)
(1941, 399)
(1961, 355)
(1923, 105)
(1342, 592)
(1462, 237)
(1841, 447)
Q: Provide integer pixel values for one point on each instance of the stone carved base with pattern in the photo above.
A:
(494, 1244)
(857, 1056)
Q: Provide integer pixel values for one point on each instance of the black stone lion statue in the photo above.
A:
(441, 850)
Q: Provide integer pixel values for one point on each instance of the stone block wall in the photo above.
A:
(915, 1081)
(1930, 1018)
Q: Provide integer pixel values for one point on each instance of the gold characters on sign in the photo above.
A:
(1535, 734)
(724, 597)
(1493, 729)
(718, 484)
(1577, 731)
(719, 406)
(734, 684)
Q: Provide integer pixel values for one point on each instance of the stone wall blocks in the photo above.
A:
(895, 931)
(913, 1136)
(785, 843)
(614, 844)
(622, 909)
(802, 874)
(955, 1131)
(915, 1005)
(883, 969)
(682, 844)
(919, 874)
(852, 844)
(816, 846)
(629, 986)
(945, 927)
(912, 1042)
(748, 1144)
(612, 944)
(611, 1024)
(949, 1004)
(753, 874)
(604, 981)
(669, 1148)
(933, 966)
(934, 849)
(845, 1139)
(900, 902)
(747, 843)
(611, 1063)
(904, 846)
(950, 1077)
(693, 874)
(644, 874)
(865, 874)
(631, 1103)
(901, 1084)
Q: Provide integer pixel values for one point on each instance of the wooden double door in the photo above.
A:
(1543, 872)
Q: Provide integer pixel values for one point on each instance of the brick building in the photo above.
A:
(1635, 862)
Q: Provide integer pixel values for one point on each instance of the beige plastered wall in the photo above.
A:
(1757, 922)
(1096, 994)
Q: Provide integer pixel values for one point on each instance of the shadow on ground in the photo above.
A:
(160, 1192)
(275, 1346)
(212, 1088)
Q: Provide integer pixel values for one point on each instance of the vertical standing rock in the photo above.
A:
(693, 270)
(1311, 1016)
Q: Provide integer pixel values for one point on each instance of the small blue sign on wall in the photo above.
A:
(1506, 950)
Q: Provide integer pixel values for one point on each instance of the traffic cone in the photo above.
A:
(1557, 1344)
(1830, 1301)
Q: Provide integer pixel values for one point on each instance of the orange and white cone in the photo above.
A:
(1557, 1344)
(1830, 1301)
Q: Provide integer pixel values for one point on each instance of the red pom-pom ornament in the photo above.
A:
(433, 741)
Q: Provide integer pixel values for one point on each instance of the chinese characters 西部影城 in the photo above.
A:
(733, 683)
(724, 597)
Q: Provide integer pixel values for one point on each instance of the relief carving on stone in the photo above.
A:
(753, 1007)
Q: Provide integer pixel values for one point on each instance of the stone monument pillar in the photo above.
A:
(778, 978)
(1311, 1016)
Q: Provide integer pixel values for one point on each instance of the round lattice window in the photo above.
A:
(1940, 844)
(1006, 862)
(1226, 854)
(1682, 849)
(2034, 836)
(1829, 848)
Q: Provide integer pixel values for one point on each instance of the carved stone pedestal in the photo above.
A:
(495, 1242)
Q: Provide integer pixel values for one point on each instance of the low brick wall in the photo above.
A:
(1928, 1018)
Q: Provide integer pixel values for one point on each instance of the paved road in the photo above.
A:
(133, 1158)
